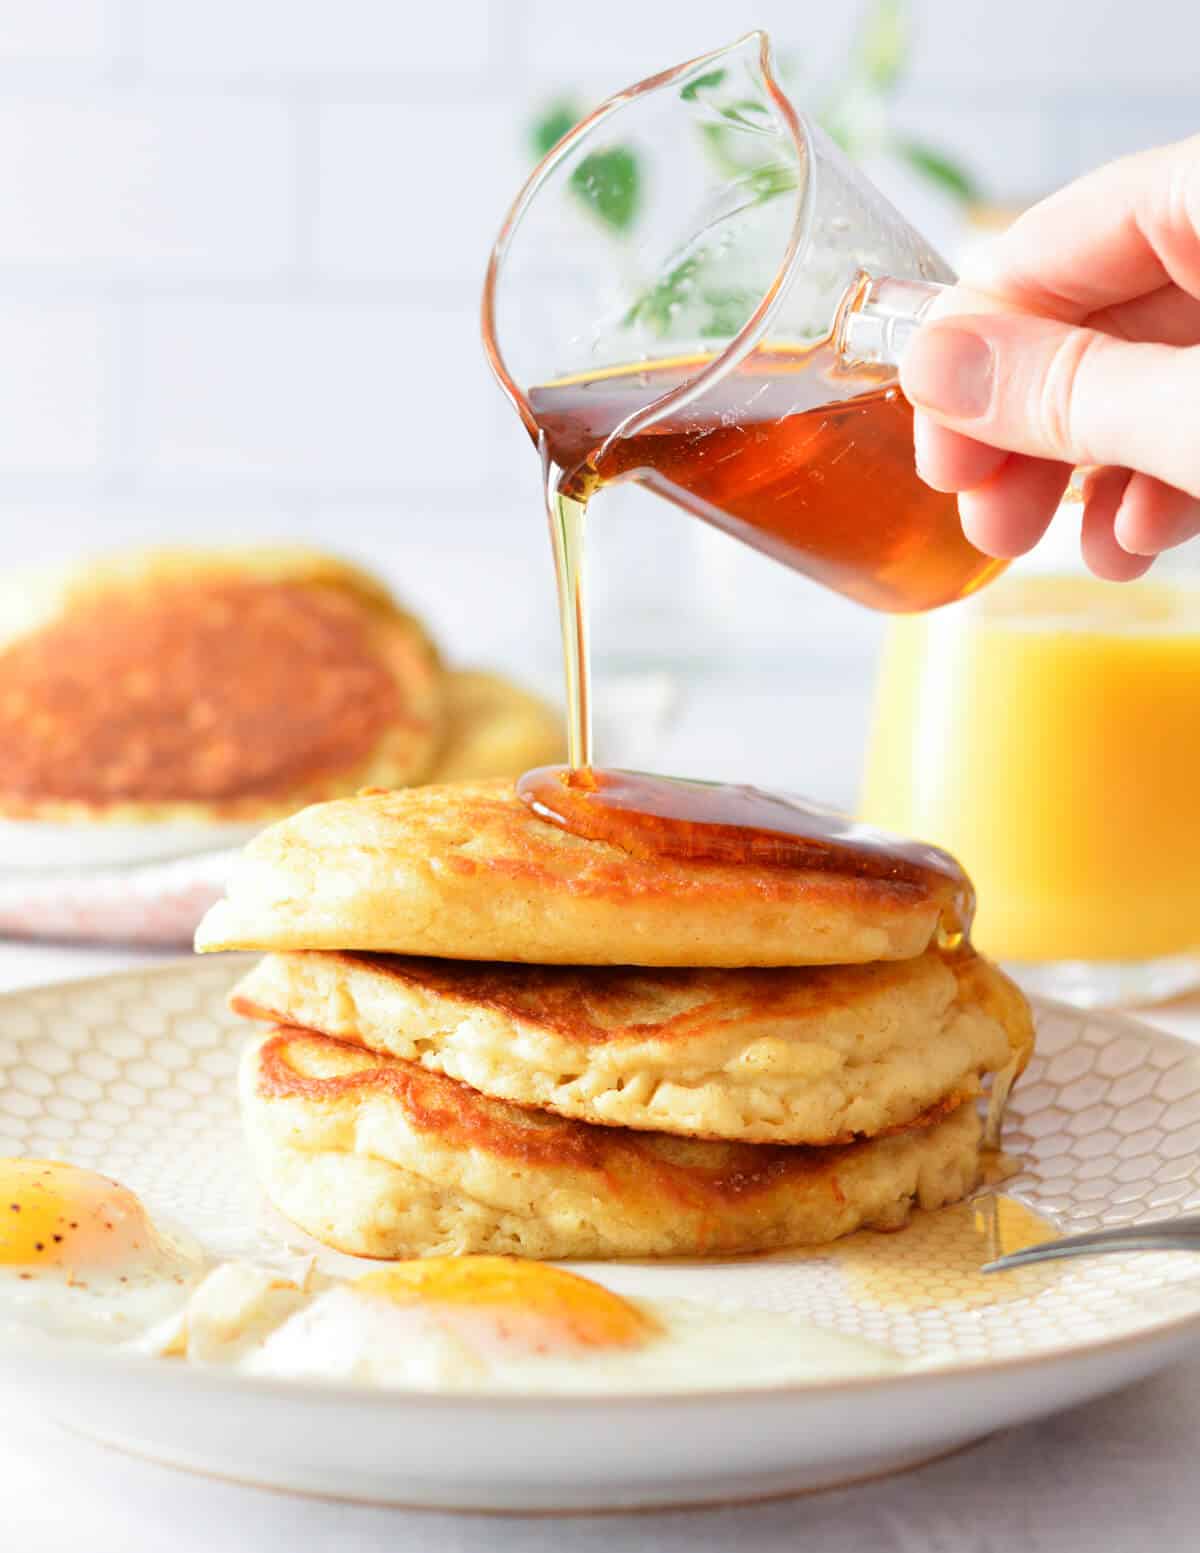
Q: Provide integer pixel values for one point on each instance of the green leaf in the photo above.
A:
(609, 183)
(745, 113)
(937, 168)
(552, 124)
(702, 82)
(728, 311)
(771, 179)
(881, 52)
(658, 306)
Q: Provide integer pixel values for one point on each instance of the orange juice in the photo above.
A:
(1048, 734)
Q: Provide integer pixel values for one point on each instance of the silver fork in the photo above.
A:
(1163, 1235)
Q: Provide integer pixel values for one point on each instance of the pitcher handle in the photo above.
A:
(882, 317)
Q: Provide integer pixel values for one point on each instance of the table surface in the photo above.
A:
(1098, 1479)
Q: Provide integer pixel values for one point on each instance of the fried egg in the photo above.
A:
(489, 1323)
(81, 1257)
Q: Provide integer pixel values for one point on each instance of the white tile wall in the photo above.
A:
(1059, 45)
(326, 394)
(285, 41)
(56, 392)
(241, 244)
(64, 31)
(393, 200)
(143, 181)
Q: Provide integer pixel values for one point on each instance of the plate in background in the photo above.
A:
(133, 1075)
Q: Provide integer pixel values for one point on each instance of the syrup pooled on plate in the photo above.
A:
(712, 822)
(937, 1260)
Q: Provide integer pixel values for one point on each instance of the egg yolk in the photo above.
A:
(534, 1305)
(54, 1215)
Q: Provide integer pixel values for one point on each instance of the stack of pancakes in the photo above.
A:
(487, 1034)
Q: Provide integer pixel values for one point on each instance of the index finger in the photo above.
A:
(1121, 232)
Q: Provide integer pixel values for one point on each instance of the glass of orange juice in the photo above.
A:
(1047, 732)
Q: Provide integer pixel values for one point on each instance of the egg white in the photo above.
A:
(249, 1320)
(81, 1258)
(108, 1304)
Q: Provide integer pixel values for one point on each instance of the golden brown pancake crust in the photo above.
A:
(599, 1004)
(688, 1170)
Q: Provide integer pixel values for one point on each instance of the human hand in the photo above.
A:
(1074, 340)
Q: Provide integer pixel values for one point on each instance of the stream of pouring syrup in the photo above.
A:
(659, 817)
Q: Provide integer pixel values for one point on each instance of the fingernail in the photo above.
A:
(948, 370)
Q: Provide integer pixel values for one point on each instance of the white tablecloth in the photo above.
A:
(1106, 1478)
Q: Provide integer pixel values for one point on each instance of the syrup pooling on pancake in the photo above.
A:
(209, 690)
(80, 1256)
(723, 823)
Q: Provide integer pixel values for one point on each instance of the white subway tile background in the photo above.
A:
(241, 244)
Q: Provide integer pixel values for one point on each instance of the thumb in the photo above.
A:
(1032, 385)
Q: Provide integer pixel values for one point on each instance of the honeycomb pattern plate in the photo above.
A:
(133, 1075)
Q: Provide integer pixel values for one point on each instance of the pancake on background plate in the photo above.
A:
(382, 1158)
(208, 687)
(815, 1055)
(467, 871)
(494, 729)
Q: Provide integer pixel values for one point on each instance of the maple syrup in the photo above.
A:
(937, 1260)
(790, 452)
(714, 822)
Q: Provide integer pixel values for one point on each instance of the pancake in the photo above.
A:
(467, 871)
(495, 729)
(211, 686)
(382, 1158)
(814, 1055)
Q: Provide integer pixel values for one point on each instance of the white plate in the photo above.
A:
(132, 1074)
(40, 847)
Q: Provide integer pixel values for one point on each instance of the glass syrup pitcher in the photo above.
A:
(737, 350)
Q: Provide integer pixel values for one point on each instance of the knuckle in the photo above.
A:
(1189, 380)
(1061, 408)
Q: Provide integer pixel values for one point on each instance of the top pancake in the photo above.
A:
(468, 872)
(208, 685)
